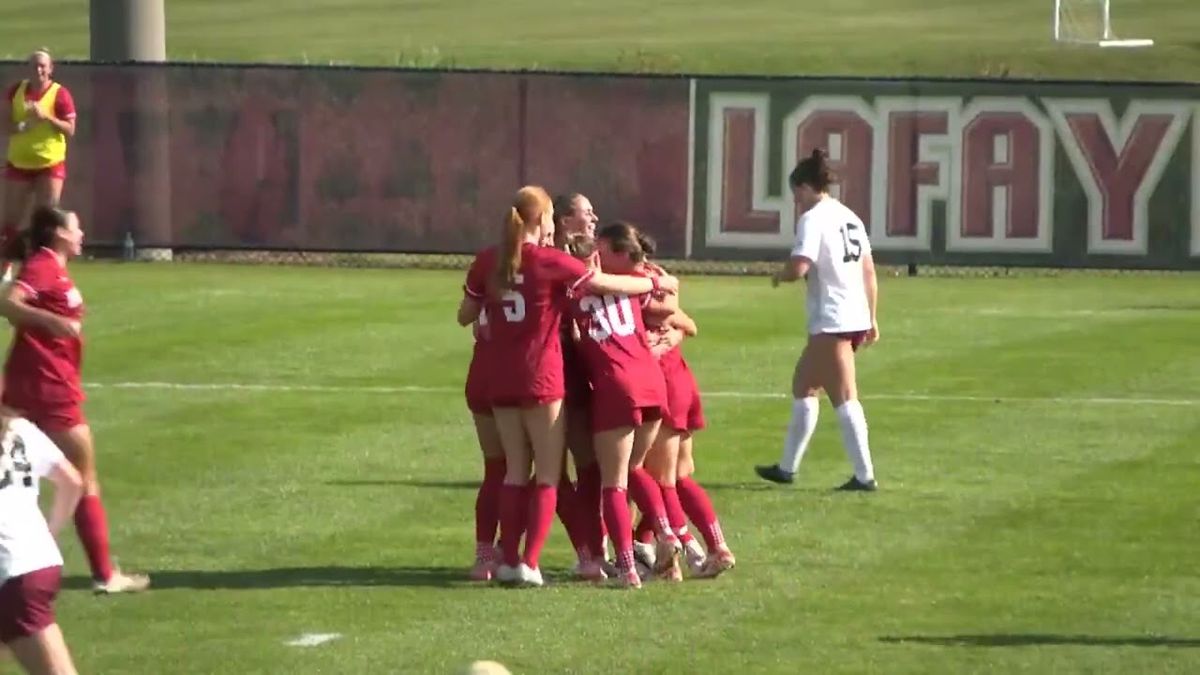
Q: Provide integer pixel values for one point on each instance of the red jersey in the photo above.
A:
(616, 350)
(64, 104)
(523, 322)
(42, 368)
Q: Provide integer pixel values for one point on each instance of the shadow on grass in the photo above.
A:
(748, 486)
(298, 577)
(1044, 639)
(433, 484)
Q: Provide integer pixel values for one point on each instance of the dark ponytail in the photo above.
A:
(814, 172)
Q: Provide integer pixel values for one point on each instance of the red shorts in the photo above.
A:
(524, 401)
(609, 413)
(477, 395)
(51, 418)
(855, 337)
(684, 409)
(16, 175)
(27, 603)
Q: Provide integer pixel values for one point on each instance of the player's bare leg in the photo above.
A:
(45, 653)
(91, 521)
(647, 495)
(514, 502)
(662, 463)
(487, 502)
(842, 387)
(613, 450)
(806, 386)
(545, 427)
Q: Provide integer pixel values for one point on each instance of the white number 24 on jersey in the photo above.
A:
(611, 315)
(513, 303)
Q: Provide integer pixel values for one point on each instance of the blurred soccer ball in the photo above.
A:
(486, 668)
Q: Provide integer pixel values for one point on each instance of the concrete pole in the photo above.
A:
(124, 31)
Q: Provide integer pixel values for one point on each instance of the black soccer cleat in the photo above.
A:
(855, 485)
(775, 474)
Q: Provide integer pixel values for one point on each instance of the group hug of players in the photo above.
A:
(578, 339)
(578, 346)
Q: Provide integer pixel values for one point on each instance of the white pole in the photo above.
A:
(1057, 20)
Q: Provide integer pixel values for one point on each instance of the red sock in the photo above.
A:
(92, 527)
(541, 516)
(514, 507)
(487, 502)
(616, 513)
(675, 514)
(644, 532)
(649, 501)
(699, 509)
(588, 502)
(567, 508)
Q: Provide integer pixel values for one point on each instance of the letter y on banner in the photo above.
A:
(1119, 163)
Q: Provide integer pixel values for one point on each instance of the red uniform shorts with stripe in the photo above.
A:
(684, 413)
(27, 603)
(856, 338)
(17, 175)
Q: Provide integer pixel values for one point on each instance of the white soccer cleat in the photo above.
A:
(694, 554)
(645, 553)
(530, 576)
(121, 582)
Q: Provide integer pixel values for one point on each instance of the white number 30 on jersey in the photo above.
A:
(611, 315)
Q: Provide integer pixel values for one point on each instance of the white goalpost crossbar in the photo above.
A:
(1069, 14)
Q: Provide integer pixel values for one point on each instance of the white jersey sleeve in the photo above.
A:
(808, 238)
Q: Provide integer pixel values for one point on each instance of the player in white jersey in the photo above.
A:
(833, 255)
(30, 562)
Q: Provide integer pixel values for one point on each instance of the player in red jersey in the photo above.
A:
(579, 505)
(40, 117)
(518, 284)
(487, 501)
(628, 398)
(670, 460)
(42, 378)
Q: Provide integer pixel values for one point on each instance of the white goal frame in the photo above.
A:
(1105, 40)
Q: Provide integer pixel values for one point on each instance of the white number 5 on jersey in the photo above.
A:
(512, 302)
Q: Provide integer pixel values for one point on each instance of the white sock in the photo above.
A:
(854, 434)
(800, 432)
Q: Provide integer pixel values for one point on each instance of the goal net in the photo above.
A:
(1089, 22)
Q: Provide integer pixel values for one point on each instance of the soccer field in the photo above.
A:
(287, 452)
(994, 38)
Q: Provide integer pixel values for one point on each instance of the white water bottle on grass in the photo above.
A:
(129, 251)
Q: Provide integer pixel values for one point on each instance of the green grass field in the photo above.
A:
(287, 451)
(859, 37)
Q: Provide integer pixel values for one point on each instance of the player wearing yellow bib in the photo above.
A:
(40, 117)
